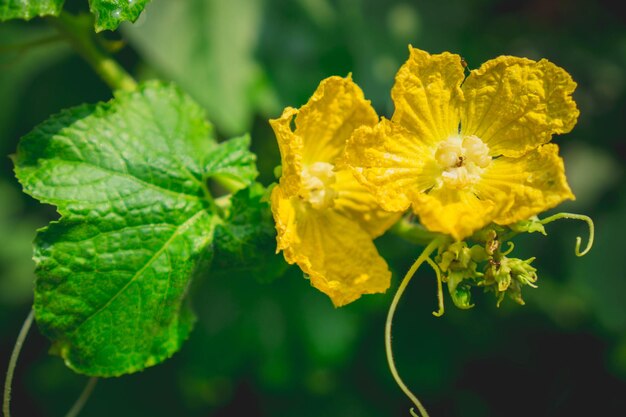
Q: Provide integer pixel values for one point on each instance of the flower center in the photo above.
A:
(317, 181)
(462, 160)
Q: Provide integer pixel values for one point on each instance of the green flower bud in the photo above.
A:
(456, 257)
(459, 267)
(508, 276)
(515, 293)
(459, 286)
(487, 233)
(502, 277)
(478, 253)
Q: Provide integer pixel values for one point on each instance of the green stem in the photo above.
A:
(78, 30)
(413, 232)
(434, 243)
(84, 396)
(8, 382)
(435, 268)
(6, 405)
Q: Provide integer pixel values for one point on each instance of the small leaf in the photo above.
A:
(234, 161)
(110, 13)
(27, 9)
(127, 177)
(246, 241)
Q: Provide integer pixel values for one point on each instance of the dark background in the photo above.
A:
(280, 348)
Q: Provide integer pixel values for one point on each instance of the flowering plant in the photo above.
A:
(469, 155)
(157, 186)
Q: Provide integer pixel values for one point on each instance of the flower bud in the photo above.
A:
(508, 276)
(457, 257)
(459, 285)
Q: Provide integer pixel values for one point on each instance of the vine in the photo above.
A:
(15, 354)
(134, 182)
(424, 257)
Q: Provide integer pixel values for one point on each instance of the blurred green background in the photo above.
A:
(280, 348)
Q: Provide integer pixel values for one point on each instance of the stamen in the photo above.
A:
(317, 181)
(462, 160)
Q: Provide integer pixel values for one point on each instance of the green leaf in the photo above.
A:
(211, 54)
(246, 241)
(110, 13)
(127, 177)
(27, 9)
(232, 161)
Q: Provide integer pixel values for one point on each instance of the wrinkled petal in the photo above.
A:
(458, 213)
(526, 186)
(356, 202)
(516, 104)
(290, 147)
(392, 162)
(335, 252)
(330, 116)
(427, 95)
(285, 218)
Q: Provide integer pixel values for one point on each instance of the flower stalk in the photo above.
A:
(424, 257)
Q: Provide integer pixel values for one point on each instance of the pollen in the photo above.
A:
(317, 185)
(462, 161)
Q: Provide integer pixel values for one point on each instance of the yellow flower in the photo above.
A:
(465, 152)
(325, 219)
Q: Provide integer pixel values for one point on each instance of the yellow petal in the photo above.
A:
(356, 202)
(335, 252)
(516, 104)
(458, 213)
(330, 116)
(427, 95)
(290, 147)
(392, 162)
(284, 213)
(526, 186)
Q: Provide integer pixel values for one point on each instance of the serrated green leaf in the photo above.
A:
(110, 13)
(246, 241)
(233, 161)
(27, 9)
(127, 177)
